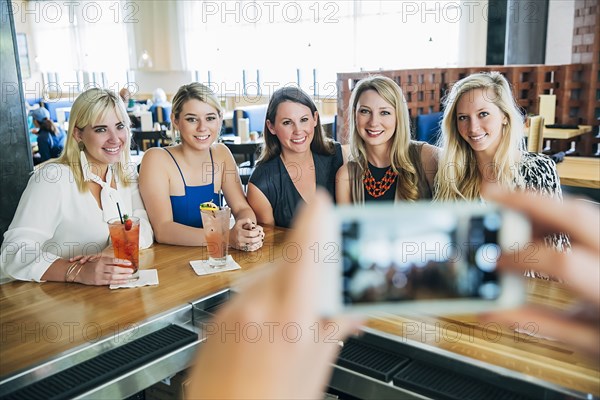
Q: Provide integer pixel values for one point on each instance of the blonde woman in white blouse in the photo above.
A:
(60, 224)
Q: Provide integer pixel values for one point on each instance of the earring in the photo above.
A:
(83, 162)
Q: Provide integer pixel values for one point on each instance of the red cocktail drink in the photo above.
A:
(125, 238)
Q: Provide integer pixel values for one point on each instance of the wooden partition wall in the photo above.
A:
(575, 86)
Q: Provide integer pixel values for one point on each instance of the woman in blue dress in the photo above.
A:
(174, 181)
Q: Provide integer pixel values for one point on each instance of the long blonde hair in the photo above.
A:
(458, 175)
(90, 106)
(399, 157)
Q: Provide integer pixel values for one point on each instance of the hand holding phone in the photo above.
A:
(422, 257)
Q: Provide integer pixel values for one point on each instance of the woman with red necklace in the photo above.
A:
(385, 165)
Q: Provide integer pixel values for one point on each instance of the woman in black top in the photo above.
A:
(385, 163)
(296, 158)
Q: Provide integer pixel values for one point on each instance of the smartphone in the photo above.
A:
(422, 257)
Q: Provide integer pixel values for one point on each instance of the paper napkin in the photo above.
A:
(201, 267)
(148, 277)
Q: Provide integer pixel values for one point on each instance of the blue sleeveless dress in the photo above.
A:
(186, 208)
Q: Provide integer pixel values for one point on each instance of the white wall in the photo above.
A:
(169, 81)
(559, 38)
(472, 36)
(157, 32)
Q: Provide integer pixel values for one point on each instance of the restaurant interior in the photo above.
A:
(79, 341)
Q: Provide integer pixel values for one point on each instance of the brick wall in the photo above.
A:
(586, 50)
(586, 34)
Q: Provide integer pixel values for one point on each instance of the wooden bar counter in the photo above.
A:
(500, 348)
(40, 321)
(43, 321)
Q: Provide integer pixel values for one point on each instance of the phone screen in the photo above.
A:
(420, 256)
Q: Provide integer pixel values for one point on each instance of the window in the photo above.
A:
(308, 42)
(81, 43)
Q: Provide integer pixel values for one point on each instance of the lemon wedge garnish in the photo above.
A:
(209, 206)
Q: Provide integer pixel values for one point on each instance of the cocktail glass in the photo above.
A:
(126, 242)
(216, 233)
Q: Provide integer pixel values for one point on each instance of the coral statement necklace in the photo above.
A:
(378, 189)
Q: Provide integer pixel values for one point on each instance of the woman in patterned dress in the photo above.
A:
(482, 142)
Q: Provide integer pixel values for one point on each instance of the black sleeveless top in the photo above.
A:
(274, 181)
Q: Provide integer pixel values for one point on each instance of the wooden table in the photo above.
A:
(42, 321)
(31, 312)
(551, 133)
(580, 171)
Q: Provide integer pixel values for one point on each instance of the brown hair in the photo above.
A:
(320, 143)
(48, 125)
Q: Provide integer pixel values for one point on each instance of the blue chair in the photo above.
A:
(161, 114)
(51, 106)
(428, 127)
(33, 101)
(256, 114)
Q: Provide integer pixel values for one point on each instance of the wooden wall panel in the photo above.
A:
(575, 86)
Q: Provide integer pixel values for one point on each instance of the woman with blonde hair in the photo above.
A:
(385, 165)
(174, 181)
(482, 141)
(88, 184)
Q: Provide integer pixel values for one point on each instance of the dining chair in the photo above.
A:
(249, 152)
(143, 140)
(535, 136)
(256, 115)
(428, 127)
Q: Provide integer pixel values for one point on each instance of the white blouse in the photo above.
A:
(55, 220)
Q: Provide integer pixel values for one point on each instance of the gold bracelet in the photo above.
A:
(77, 273)
(71, 278)
(69, 270)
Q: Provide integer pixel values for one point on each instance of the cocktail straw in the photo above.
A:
(119, 210)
